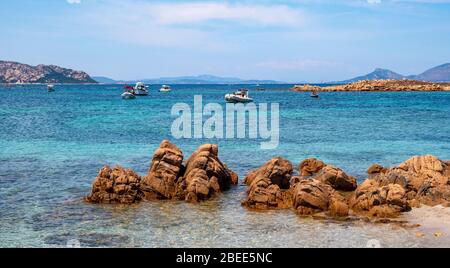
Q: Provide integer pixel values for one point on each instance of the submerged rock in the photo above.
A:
(117, 185)
(269, 185)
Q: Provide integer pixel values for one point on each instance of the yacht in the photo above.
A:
(165, 88)
(50, 88)
(140, 89)
(238, 96)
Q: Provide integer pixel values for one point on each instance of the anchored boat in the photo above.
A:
(238, 96)
(165, 88)
(50, 88)
(140, 89)
(314, 94)
(129, 93)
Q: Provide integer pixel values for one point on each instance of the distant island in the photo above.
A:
(379, 85)
(14, 72)
(439, 73)
(198, 79)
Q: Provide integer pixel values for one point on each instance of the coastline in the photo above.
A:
(378, 86)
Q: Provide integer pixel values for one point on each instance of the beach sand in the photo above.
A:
(433, 224)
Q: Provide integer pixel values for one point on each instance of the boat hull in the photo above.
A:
(128, 96)
(236, 99)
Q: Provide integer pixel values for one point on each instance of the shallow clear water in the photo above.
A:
(53, 144)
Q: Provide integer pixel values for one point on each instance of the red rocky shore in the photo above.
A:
(318, 187)
(322, 188)
(379, 85)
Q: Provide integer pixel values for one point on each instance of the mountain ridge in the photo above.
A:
(15, 72)
(195, 79)
(440, 73)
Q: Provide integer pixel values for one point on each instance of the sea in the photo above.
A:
(52, 145)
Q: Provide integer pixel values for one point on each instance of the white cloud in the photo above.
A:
(190, 24)
(74, 1)
(374, 2)
(201, 12)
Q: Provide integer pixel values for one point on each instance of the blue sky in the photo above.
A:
(304, 40)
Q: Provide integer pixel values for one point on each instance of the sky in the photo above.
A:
(292, 41)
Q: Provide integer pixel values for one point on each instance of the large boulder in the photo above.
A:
(426, 179)
(116, 185)
(316, 169)
(311, 196)
(336, 178)
(310, 166)
(378, 200)
(202, 175)
(162, 181)
(205, 174)
(375, 169)
(269, 185)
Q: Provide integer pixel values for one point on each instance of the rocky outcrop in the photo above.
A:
(310, 166)
(375, 169)
(269, 185)
(202, 176)
(13, 72)
(335, 177)
(162, 180)
(273, 186)
(311, 196)
(419, 180)
(379, 85)
(320, 188)
(205, 174)
(379, 201)
(425, 178)
(117, 185)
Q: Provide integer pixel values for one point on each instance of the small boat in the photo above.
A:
(238, 96)
(165, 88)
(50, 88)
(314, 94)
(140, 89)
(128, 96)
(129, 93)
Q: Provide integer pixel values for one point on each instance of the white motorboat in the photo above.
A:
(165, 88)
(50, 88)
(128, 96)
(140, 89)
(238, 96)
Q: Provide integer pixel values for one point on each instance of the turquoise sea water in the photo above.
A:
(53, 144)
